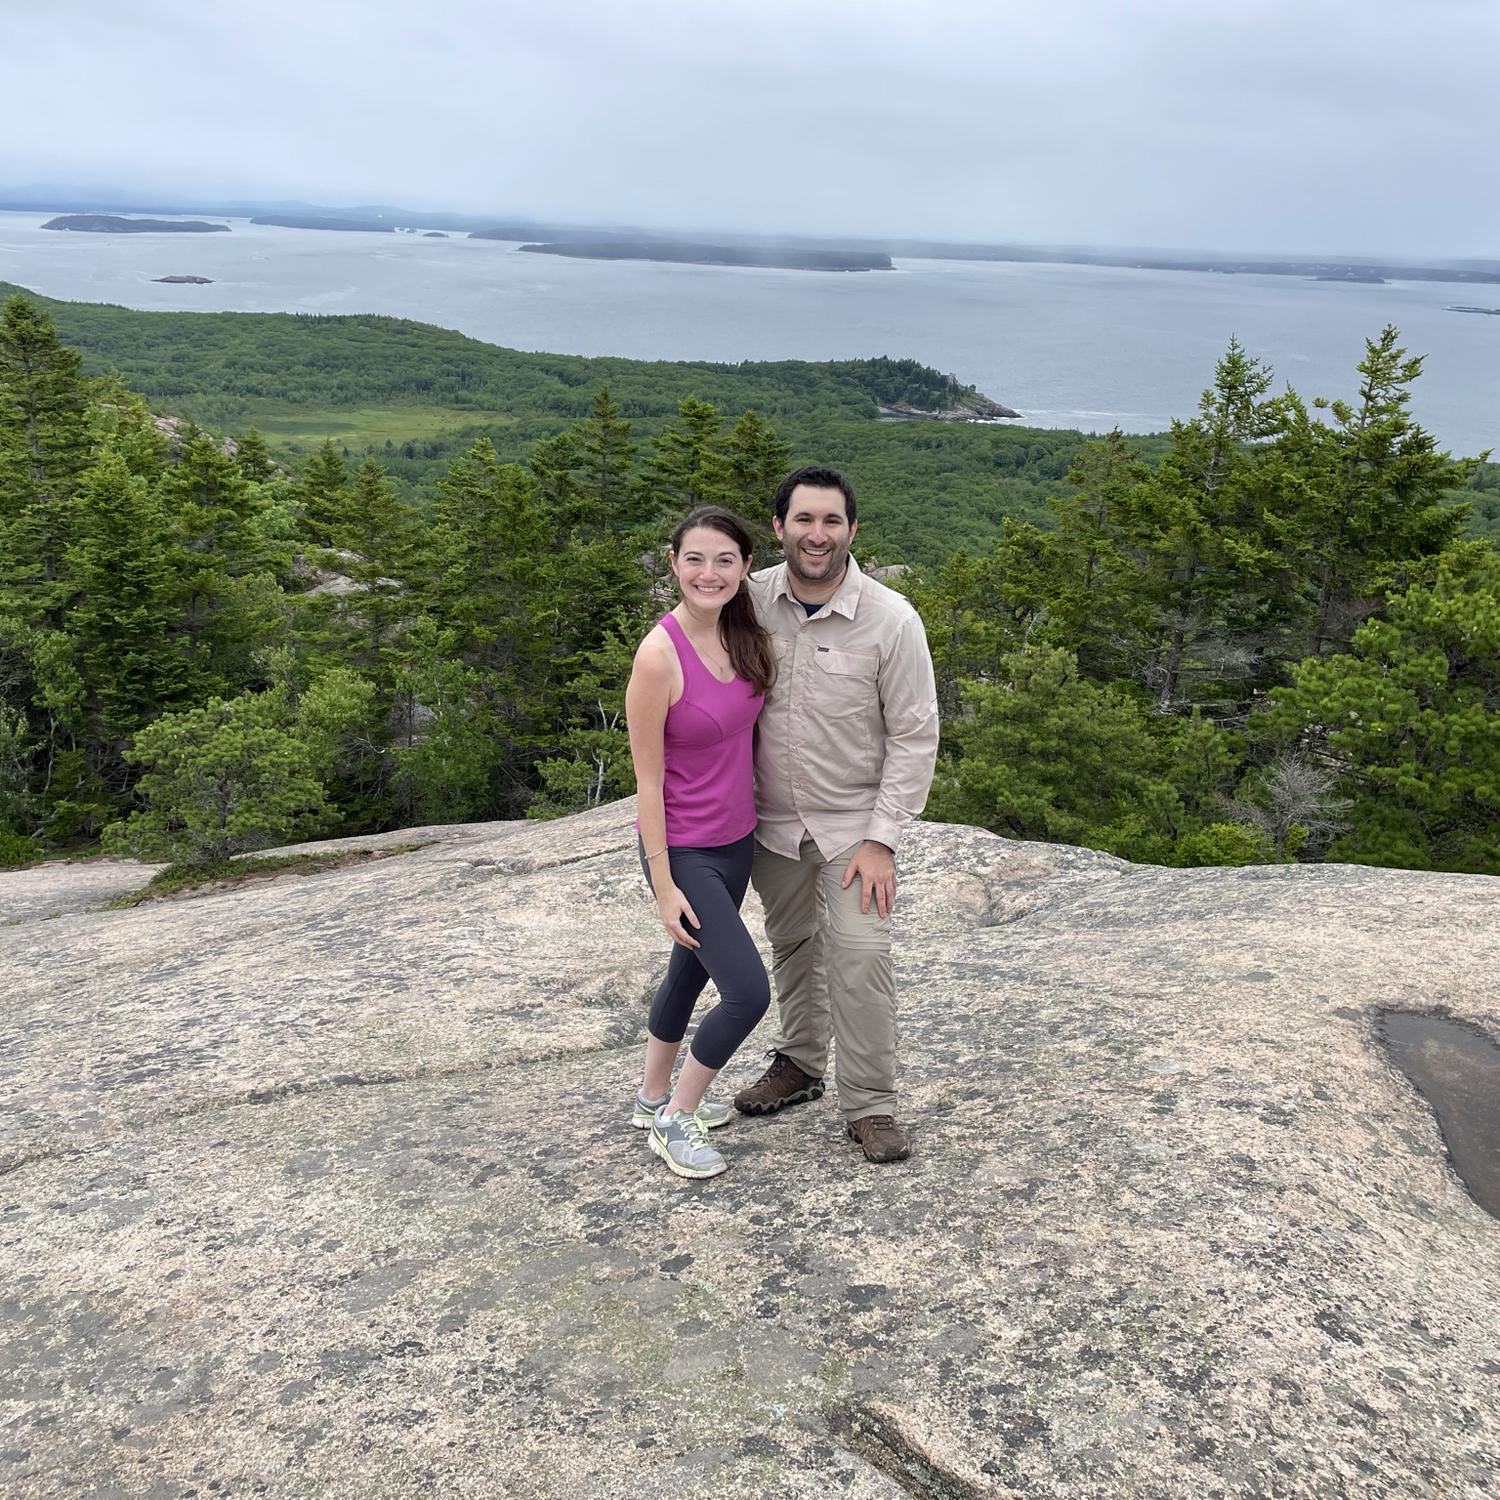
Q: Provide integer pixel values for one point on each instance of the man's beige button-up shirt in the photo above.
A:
(847, 742)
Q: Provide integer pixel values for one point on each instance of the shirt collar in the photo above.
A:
(844, 601)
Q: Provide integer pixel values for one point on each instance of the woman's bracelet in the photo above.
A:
(662, 850)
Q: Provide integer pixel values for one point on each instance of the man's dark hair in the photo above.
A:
(820, 477)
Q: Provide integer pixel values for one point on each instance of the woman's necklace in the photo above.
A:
(717, 662)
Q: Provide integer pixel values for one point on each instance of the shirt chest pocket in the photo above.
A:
(844, 682)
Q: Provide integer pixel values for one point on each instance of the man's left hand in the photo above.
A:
(874, 865)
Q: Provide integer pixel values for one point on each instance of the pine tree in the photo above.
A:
(214, 508)
(374, 522)
(1373, 490)
(1201, 530)
(1084, 585)
(448, 751)
(1409, 720)
(757, 459)
(1204, 764)
(1043, 755)
(323, 492)
(122, 423)
(493, 593)
(688, 466)
(44, 449)
(606, 463)
(970, 625)
(553, 462)
(491, 545)
(126, 611)
(379, 533)
(253, 458)
(229, 600)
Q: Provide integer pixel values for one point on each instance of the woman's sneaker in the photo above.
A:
(712, 1115)
(681, 1140)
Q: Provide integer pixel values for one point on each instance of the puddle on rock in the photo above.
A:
(1456, 1068)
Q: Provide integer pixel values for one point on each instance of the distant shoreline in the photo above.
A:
(322, 221)
(861, 252)
(694, 254)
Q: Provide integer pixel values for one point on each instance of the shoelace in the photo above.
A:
(693, 1129)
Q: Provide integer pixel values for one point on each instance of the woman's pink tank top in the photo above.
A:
(709, 786)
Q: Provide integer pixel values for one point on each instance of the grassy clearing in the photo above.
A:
(180, 880)
(360, 427)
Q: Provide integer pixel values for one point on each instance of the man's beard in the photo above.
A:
(836, 562)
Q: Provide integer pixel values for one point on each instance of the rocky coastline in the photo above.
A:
(970, 408)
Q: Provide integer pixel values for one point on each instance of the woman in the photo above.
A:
(697, 686)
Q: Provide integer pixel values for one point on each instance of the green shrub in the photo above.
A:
(16, 850)
(1224, 844)
(219, 780)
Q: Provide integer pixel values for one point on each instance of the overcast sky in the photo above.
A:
(1314, 125)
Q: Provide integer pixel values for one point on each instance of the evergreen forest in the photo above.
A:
(1271, 634)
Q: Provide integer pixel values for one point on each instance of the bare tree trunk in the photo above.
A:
(1171, 669)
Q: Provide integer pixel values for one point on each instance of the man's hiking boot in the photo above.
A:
(781, 1084)
(879, 1136)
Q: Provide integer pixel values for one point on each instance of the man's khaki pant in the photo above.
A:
(832, 965)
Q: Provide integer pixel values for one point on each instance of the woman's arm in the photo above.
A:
(647, 699)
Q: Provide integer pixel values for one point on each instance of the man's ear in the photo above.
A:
(776, 526)
(853, 527)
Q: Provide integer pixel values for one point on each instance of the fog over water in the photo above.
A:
(1067, 346)
(1297, 126)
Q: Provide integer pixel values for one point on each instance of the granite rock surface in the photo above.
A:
(47, 891)
(324, 1187)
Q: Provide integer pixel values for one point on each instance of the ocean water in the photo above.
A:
(1091, 347)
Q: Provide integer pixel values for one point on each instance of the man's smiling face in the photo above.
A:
(816, 535)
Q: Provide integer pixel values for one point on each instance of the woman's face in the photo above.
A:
(708, 567)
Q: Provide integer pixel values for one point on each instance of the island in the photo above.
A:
(1360, 278)
(118, 224)
(686, 252)
(1484, 312)
(185, 280)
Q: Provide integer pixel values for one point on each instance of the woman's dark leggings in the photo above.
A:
(714, 882)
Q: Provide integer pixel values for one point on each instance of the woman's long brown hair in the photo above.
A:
(744, 638)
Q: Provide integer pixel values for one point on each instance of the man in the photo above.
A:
(844, 758)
